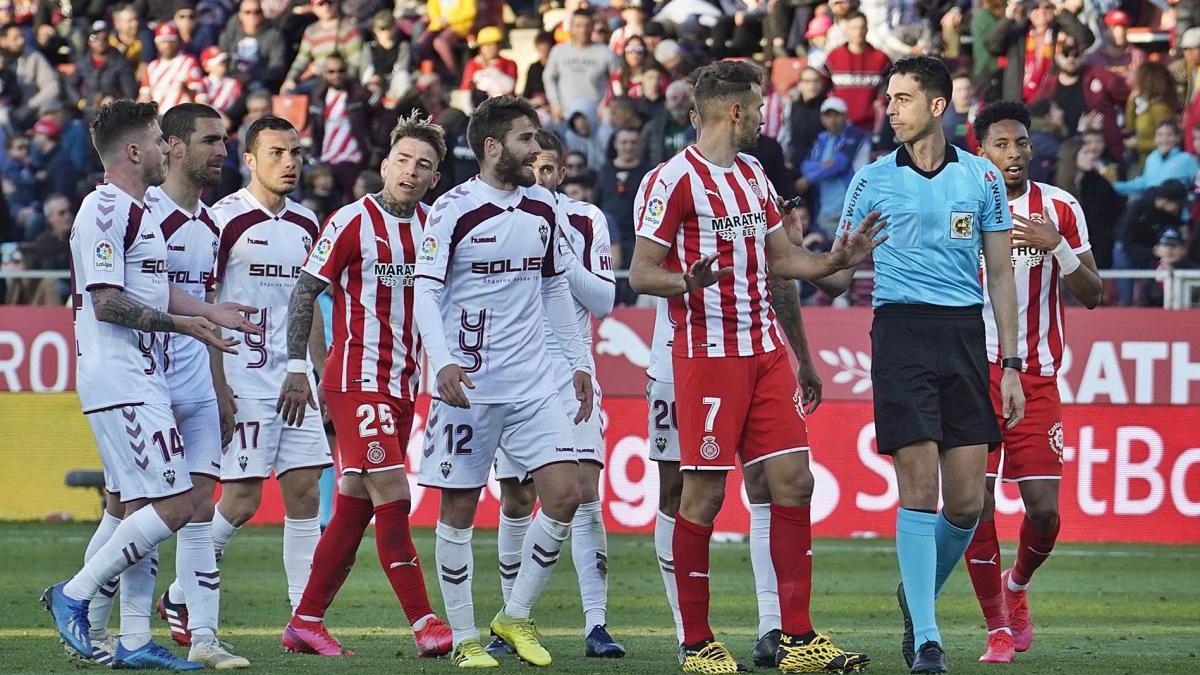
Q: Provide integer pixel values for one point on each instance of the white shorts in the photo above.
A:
(588, 437)
(141, 450)
(663, 426)
(263, 444)
(461, 442)
(200, 425)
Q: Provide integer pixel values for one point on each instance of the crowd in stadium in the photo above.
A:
(1116, 122)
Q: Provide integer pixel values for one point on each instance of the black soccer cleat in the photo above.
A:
(498, 647)
(765, 649)
(599, 644)
(930, 659)
(908, 642)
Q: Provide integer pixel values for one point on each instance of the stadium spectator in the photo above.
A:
(1027, 43)
(1145, 220)
(1115, 54)
(1152, 102)
(649, 98)
(627, 81)
(578, 188)
(1171, 254)
(489, 74)
(856, 70)
(672, 131)
(740, 31)
(39, 82)
(101, 70)
(386, 63)
(816, 34)
(535, 86)
(53, 245)
(634, 14)
(840, 11)
(221, 90)
(1187, 71)
(1091, 98)
(369, 182)
(1166, 162)
(53, 46)
(257, 49)
(332, 33)
(130, 39)
(22, 187)
(654, 34)
(960, 113)
(28, 291)
(986, 72)
(670, 55)
(616, 185)
(175, 76)
(804, 117)
(1046, 135)
(183, 17)
(340, 121)
(840, 150)
(1081, 172)
(450, 22)
(56, 171)
(578, 71)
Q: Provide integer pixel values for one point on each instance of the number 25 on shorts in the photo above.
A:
(367, 416)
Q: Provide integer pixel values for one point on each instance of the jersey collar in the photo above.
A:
(904, 159)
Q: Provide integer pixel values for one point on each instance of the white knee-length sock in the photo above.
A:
(543, 544)
(130, 542)
(137, 597)
(589, 550)
(510, 539)
(196, 573)
(300, 537)
(455, 568)
(766, 586)
(664, 531)
(100, 608)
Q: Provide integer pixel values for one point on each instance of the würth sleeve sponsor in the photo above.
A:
(995, 217)
(664, 206)
(857, 203)
(99, 237)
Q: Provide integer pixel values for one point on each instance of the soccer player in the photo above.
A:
(1050, 239)
(367, 255)
(487, 273)
(929, 358)
(265, 238)
(587, 261)
(196, 150)
(735, 392)
(123, 303)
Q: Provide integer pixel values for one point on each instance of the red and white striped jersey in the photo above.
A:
(339, 146)
(258, 263)
(222, 92)
(696, 208)
(114, 244)
(192, 240)
(1040, 323)
(368, 257)
(172, 81)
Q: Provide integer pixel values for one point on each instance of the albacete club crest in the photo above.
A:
(169, 476)
(375, 452)
(243, 461)
(307, 241)
(446, 466)
(660, 443)
(709, 449)
(544, 233)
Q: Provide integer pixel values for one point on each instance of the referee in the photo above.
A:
(929, 364)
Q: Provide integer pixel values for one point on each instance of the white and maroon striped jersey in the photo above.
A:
(115, 244)
(258, 263)
(172, 81)
(339, 146)
(1040, 323)
(696, 208)
(222, 92)
(191, 252)
(490, 250)
(588, 238)
(660, 368)
(368, 257)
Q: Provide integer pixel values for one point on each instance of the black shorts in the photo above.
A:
(929, 371)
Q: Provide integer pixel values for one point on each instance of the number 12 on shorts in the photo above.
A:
(714, 404)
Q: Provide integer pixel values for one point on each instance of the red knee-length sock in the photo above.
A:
(983, 564)
(690, 544)
(398, 556)
(791, 554)
(1032, 550)
(335, 554)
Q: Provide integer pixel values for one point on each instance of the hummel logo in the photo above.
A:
(176, 247)
(975, 561)
(483, 240)
(260, 242)
(148, 236)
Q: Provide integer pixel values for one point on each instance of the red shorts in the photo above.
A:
(1033, 450)
(746, 407)
(372, 429)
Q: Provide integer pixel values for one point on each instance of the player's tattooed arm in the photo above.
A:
(300, 314)
(113, 306)
(785, 300)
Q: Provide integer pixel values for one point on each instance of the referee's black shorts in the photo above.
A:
(929, 370)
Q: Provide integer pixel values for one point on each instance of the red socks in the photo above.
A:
(690, 545)
(1032, 550)
(791, 554)
(335, 554)
(399, 559)
(983, 564)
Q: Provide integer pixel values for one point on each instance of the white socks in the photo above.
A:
(510, 539)
(131, 541)
(197, 575)
(455, 567)
(664, 531)
(300, 537)
(137, 597)
(222, 532)
(766, 585)
(542, 546)
(589, 549)
(101, 606)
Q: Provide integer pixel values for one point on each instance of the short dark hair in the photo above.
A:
(583, 179)
(584, 11)
(722, 82)
(854, 14)
(265, 123)
(494, 119)
(930, 73)
(544, 37)
(999, 112)
(550, 142)
(1169, 123)
(9, 26)
(422, 129)
(180, 121)
(118, 119)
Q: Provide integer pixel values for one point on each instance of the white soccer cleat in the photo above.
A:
(215, 655)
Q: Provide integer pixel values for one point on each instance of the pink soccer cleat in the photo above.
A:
(999, 648)
(308, 637)
(434, 639)
(1018, 614)
(176, 616)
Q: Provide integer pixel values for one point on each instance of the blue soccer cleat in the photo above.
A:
(151, 656)
(599, 644)
(498, 647)
(70, 618)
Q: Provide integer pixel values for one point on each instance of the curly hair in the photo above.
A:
(998, 112)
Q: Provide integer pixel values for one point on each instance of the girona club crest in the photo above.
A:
(1055, 436)
(375, 452)
(798, 401)
(709, 449)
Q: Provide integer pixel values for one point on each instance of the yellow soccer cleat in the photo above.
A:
(471, 654)
(818, 655)
(712, 658)
(523, 636)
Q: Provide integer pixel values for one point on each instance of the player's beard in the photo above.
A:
(198, 173)
(154, 173)
(747, 140)
(510, 169)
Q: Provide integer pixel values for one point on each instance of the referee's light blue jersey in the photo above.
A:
(935, 225)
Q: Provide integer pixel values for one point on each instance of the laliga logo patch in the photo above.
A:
(1056, 440)
(429, 249)
(655, 210)
(243, 461)
(446, 466)
(375, 452)
(709, 449)
(104, 257)
(169, 476)
(660, 443)
(324, 247)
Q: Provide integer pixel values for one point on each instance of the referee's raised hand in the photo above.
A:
(702, 275)
(851, 247)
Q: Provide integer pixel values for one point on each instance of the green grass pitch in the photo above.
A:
(1098, 609)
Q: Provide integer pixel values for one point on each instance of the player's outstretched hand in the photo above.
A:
(450, 381)
(293, 396)
(851, 247)
(203, 330)
(585, 393)
(232, 315)
(227, 412)
(1039, 234)
(1012, 397)
(702, 275)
